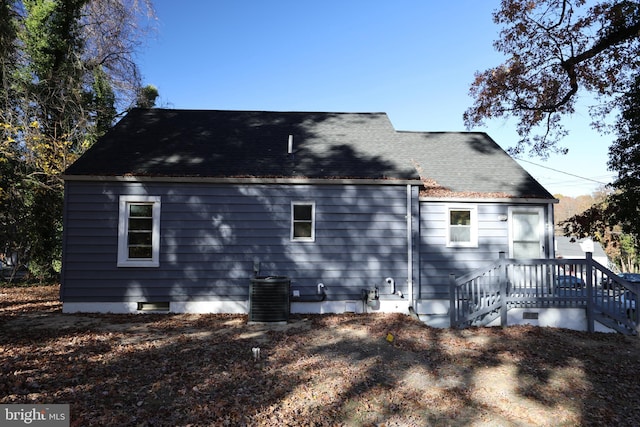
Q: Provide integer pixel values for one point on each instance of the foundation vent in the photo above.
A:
(153, 306)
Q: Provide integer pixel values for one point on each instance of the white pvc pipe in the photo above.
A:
(391, 283)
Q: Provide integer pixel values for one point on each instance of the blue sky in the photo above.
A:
(412, 59)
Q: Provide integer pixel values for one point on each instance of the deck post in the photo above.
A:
(589, 282)
(452, 301)
(502, 281)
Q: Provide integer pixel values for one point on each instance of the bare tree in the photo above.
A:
(114, 31)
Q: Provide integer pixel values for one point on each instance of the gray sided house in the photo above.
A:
(180, 209)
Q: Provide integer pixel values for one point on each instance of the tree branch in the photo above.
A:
(569, 65)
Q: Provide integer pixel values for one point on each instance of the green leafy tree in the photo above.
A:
(68, 72)
(629, 254)
(147, 97)
(13, 243)
(55, 84)
(624, 158)
(13, 216)
(104, 104)
(615, 219)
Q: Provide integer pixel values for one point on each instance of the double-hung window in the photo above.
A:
(139, 231)
(303, 221)
(462, 227)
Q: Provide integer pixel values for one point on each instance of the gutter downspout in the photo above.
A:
(409, 248)
(550, 237)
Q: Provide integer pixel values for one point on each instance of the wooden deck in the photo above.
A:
(485, 295)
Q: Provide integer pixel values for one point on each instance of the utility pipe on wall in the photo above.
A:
(551, 252)
(392, 284)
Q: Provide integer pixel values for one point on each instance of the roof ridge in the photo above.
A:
(431, 132)
(214, 110)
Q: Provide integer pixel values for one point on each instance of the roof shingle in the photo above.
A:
(227, 144)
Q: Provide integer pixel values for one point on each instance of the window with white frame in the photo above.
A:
(303, 221)
(139, 231)
(462, 227)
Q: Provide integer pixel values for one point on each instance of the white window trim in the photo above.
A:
(123, 229)
(473, 243)
(313, 222)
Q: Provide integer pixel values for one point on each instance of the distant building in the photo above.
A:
(574, 248)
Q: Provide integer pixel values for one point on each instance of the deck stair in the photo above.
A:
(483, 296)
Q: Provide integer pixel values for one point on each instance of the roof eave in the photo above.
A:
(490, 199)
(243, 180)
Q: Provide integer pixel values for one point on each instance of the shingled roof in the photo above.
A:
(242, 144)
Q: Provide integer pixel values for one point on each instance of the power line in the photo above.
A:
(563, 172)
(559, 180)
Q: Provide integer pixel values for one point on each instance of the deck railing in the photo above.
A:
(482, 296)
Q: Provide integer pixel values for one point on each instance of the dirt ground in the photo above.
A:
(329, 370)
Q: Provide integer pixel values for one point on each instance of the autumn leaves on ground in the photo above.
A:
(180, 370)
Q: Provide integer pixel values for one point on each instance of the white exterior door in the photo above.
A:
(526, 233)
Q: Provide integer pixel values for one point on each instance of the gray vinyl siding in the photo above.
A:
(212, 235)
(437, 260)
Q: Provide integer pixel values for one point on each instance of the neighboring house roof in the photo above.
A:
(573, 248)
(254, 144)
